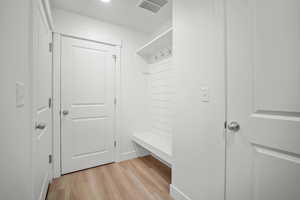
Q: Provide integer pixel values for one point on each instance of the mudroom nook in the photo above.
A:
(150, 100)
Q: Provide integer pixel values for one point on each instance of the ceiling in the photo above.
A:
(121, 12)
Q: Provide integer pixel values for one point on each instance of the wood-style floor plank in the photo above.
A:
(138, 179)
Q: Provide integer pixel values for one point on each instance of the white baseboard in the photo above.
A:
(132, 155)
(44, 188)
(177, 194)
(127, 156)
(162, 161)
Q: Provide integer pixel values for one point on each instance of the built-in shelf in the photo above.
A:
(157, 144)
(158, 48)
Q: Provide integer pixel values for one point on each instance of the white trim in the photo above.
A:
(177, 194)
(48, 13)
(168, 31)
(118, 100)
(118, 105)
(150, 50)
(56, 105)
(107, 41)
(44, 189)
(140, 152)
(127, 156)
(57, 99)
(161, 160)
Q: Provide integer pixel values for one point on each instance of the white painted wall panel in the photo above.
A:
(199, 60)
(161, 94)
(15, 129)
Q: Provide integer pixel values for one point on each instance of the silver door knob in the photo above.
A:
(234, 126)
(65, 112)
(40, 126)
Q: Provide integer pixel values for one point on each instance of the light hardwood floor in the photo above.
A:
(138, 179)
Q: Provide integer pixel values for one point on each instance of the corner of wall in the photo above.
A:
(178, 194)
(138, 152)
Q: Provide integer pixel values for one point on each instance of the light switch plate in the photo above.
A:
(20, 94)
(204, 94)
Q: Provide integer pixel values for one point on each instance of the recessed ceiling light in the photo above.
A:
(105, 1)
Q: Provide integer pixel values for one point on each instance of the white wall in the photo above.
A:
(161, 96)
(199, 145)
(133, 83)
(15, 134)
(167, 25)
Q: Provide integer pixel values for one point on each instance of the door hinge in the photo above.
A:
(50, 159)
(50, 47)
(50, 102)
(115, 101)
(115, 143)
(225, 125)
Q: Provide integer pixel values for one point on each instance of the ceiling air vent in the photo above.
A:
(152, 5)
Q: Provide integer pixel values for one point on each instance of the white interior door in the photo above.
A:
(87, 102)
(264, 99)
(42, 93)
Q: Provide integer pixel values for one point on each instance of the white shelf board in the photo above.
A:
(158, 144)
(159, 44)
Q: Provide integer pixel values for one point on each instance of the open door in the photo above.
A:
(263, 158)
(42, 93)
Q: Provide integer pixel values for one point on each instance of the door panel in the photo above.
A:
(276, 47)
(263, 161)
(282, 181)
(88, 95)
(42, 92)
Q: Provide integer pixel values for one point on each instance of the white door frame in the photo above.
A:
(57, 37)
(42, 8)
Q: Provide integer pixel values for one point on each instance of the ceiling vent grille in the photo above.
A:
(152, 5)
